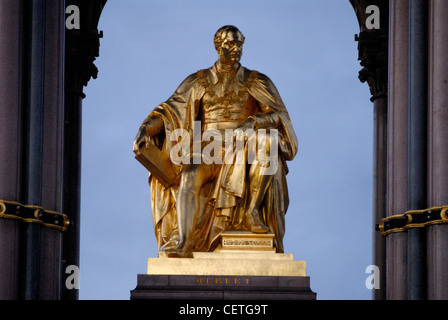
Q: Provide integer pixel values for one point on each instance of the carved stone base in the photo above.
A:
(222, 287)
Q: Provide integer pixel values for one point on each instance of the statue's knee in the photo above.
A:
(193, 176)
(191, 169)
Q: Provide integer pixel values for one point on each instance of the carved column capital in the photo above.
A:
(373, 56)
(82, 46)
(373, 46)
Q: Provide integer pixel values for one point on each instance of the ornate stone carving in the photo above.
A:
(373, 47)
(82, 46)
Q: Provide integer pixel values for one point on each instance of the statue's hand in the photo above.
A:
(141, 139)
(152, 126)
(248, 124)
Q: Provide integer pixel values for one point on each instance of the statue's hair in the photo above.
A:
(218, 39)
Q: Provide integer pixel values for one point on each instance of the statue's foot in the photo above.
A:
(177, 251)
(255, 224)
(170, 253)
(166, 250)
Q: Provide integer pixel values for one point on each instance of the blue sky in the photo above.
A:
(307, 48)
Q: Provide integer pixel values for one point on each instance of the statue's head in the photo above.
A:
(229, 44)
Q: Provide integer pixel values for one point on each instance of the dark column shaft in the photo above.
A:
(437, 242)
(380, 186)
(11, 68)
(72, 184)
(50, 252)
(417, 137)
(32, 186)
(81, 50)
(397, 147)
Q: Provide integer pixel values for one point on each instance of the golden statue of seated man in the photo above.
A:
(220, 189)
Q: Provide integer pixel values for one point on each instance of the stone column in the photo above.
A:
(397, 170)
(417, 138)
(379, 194)
(81, 50)
(375, 73)
(11, 46)
(437, 235)
(33, 166)
(50, 247)
(373, 54)
(31, 99)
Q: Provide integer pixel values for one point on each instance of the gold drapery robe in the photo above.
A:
(223, 201)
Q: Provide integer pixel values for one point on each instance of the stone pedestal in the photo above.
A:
(244, 266)
(222, 287)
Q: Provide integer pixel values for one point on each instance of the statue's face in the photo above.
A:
(231, 48)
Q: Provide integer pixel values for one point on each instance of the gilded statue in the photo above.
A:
(228, 136)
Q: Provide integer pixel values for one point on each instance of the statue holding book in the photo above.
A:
(216, 151)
